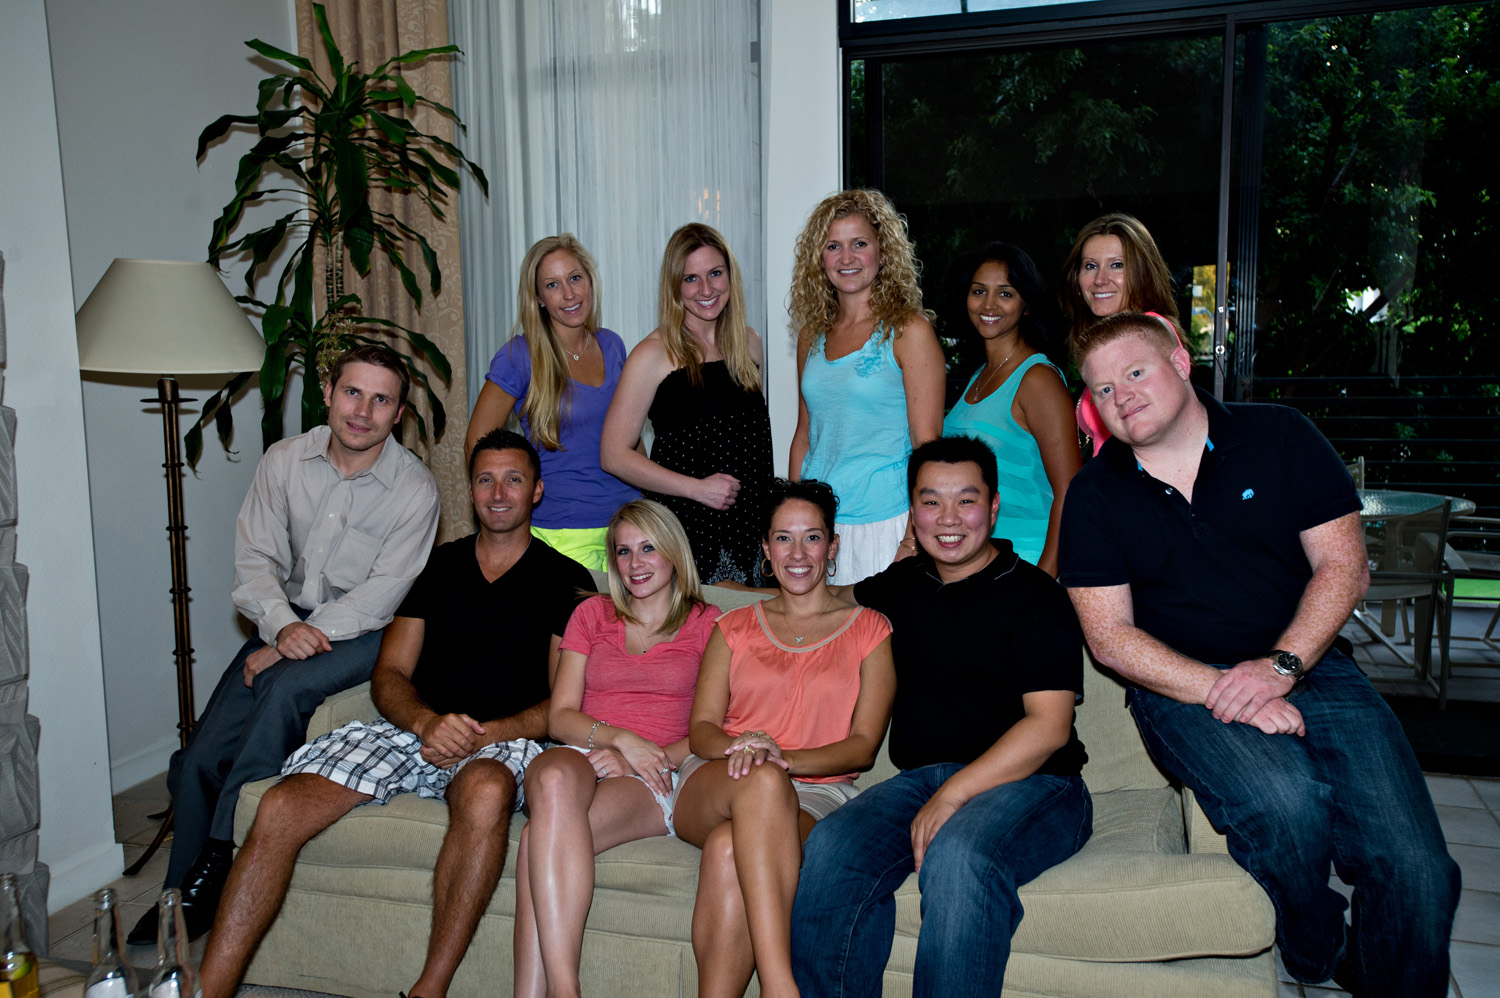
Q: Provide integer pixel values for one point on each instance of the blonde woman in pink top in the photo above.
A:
(793, 699)
(620, 704)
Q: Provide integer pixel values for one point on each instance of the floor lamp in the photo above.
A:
(165, 318)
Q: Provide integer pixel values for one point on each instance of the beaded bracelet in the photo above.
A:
(591, 734)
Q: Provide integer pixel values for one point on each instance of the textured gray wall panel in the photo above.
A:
(7, 465)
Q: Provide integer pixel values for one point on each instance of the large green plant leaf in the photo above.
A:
(281, 55)
(335, 57)
(217, 409)
(351, 180)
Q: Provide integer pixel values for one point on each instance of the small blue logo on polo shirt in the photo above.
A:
(1248, 494)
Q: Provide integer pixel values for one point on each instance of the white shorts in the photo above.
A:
(383, 760)
(867, 548)
(817, 799)
(667, 802)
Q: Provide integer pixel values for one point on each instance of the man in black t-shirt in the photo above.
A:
(1213, 552)
(462, 687)
(989, 663)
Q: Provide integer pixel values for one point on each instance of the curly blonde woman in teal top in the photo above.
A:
(862, 329)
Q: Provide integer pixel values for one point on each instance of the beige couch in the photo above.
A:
(1152, 905)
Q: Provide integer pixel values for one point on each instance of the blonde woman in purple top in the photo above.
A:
(558, 373)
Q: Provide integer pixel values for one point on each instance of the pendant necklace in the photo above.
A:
(981, 382)
(799, 638)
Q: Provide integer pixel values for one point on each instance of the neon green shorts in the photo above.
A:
(585, 545)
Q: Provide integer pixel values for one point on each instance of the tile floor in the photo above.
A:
(71, 930)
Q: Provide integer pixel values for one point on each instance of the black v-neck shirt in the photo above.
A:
(485, 644)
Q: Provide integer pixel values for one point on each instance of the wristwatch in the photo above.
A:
(1287, 663)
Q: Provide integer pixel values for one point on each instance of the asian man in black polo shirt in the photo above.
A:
(988, 664)
(1213, 552)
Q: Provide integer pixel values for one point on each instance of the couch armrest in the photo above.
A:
(353, 704)
(1201, 834)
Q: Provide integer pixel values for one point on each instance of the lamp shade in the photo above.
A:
(165, 317)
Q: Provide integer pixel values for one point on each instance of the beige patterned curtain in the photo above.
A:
(373, 31)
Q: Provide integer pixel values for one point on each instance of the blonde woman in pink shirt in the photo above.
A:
(793, 699)
(620, 704)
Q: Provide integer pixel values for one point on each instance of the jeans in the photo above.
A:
(1350, 794)
(856, 858)
(245, 734)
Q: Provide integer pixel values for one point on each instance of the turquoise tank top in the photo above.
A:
(858, 436)
(1025, 493)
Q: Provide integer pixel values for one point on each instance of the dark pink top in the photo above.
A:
(650, 694)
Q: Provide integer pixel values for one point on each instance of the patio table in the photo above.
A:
(1391, 504)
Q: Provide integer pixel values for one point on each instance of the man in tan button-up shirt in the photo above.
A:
(337, 526)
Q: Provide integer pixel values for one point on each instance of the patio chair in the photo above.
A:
(1357, 471)
(1473, 552)
(1407, 563)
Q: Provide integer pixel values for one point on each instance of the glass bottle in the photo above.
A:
(111, 976)
(175, 976)
(17, 962)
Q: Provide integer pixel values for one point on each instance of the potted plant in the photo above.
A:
(331, 142)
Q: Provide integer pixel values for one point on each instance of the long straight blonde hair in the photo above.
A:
(730, 334)
(664, 530)
(550, 389)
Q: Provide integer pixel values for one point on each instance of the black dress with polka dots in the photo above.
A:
(715, 427)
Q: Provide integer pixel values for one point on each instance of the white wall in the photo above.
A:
(801, 148)
(41, 384)
(136, 82)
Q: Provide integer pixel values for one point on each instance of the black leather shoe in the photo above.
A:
(144, 933)
(201, 888)
(203, 884)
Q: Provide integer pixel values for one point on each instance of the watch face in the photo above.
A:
(1288, 664)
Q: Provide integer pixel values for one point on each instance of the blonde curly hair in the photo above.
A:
(895, 298)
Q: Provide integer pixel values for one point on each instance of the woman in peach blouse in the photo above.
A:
(792, 702)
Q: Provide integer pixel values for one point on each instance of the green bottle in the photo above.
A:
(17, 962)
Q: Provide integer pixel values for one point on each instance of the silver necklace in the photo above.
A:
(579, 355)
(981, 382)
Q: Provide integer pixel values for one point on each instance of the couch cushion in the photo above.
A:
(1117, 757)
(1131, 894)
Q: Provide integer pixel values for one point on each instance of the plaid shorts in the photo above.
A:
(382, 760)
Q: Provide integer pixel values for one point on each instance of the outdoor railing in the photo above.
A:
(1432, 434)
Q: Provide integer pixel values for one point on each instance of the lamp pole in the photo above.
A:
(171, 403)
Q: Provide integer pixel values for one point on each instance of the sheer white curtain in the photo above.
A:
(616, 120)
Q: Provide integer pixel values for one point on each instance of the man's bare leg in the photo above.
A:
(290, 813)
(480, 800)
